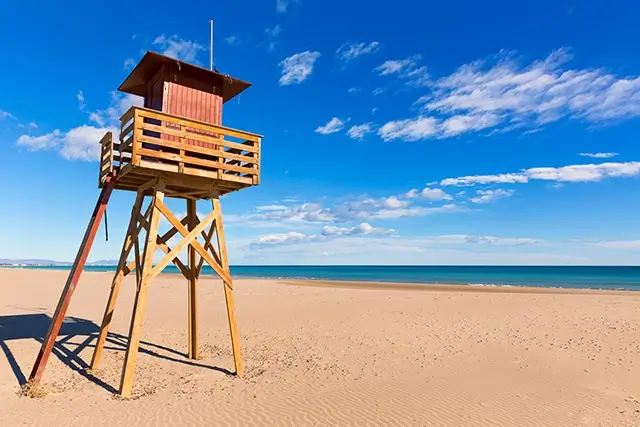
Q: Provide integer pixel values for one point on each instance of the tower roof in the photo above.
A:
(135, 83)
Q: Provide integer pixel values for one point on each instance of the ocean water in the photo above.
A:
(591, 277)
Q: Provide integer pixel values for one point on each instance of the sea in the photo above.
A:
(581, 277)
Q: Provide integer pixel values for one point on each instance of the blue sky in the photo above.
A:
(457, 132)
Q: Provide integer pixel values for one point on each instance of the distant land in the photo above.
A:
(12, 262)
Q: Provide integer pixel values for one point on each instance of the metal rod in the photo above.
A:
(211, 44)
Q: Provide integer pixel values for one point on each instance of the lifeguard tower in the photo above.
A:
(174, 146)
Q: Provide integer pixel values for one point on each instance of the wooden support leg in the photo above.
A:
(72, 281)
(193, 284)
(135, 329)
(121, 272)
(228, 286)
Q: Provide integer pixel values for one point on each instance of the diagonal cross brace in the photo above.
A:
(190, 239)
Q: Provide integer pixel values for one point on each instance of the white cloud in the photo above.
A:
(465, 123)
(281, 238)
(359, 131)
(508, 96)
(541, 92)
(414, 211)
(271, 208)
(282, 6)
(434, 194)
(178, 48)
(232, 40)
(362, 230)
(412, 194)
(43, 142)
(394, 203)
(80, 143)
(297, 67)
(349, 51)
(119, 104)
(359, 209)
(509, 178)
(572, 173)
(334, 125)
(272, 34)
(32, 125)
(129, 63)
(6, 114)
(353, 90)
(378, 91)
(486, 196)
(407, 69)
(410, 129)
(492, 240)
(598, 155)
(328, 233)
(81, 104)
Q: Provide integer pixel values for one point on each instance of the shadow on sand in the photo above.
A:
(75, 335)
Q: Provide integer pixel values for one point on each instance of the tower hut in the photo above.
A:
(174, 146)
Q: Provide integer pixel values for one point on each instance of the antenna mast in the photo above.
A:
(211, 44)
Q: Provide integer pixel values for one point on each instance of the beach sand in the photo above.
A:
(330, 355)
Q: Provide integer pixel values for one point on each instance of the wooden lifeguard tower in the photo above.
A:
(174, 146)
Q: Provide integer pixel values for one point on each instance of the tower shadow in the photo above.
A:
(75, 335)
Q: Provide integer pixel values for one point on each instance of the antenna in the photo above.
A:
(211, 44)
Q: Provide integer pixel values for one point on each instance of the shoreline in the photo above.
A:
(450, 287)
(390, 285)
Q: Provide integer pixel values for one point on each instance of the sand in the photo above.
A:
(330, 355)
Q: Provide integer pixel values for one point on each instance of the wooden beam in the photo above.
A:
(132, 234)
(72, 281)
(193, 284)
(189, 238)
(135, 329)
(231, 310)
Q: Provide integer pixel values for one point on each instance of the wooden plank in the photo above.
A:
(177, 261)
(194, 161)
(193, 284)
(256, 166)
(72, 281)
(189, 238)
(196, 124)
(137, 134)
(169, 234)
(128, 115)
(132, 233)
(231, 310)
(196, 136)
(135, 329)
(232, 153)
(224, 176)
(126, 131)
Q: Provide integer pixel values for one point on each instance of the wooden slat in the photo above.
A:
(194, 161)
(146, 112)
(227, 154)
(128, 115)
(127, 130)
(195, 136)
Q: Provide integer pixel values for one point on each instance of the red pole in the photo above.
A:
(72, 281)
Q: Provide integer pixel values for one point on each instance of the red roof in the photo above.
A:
(136, 82)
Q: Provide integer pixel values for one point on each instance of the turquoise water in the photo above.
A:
(547, 276)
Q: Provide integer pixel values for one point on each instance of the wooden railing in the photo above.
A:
(106, 158)
(151, 139)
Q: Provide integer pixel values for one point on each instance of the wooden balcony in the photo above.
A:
(197, 159)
